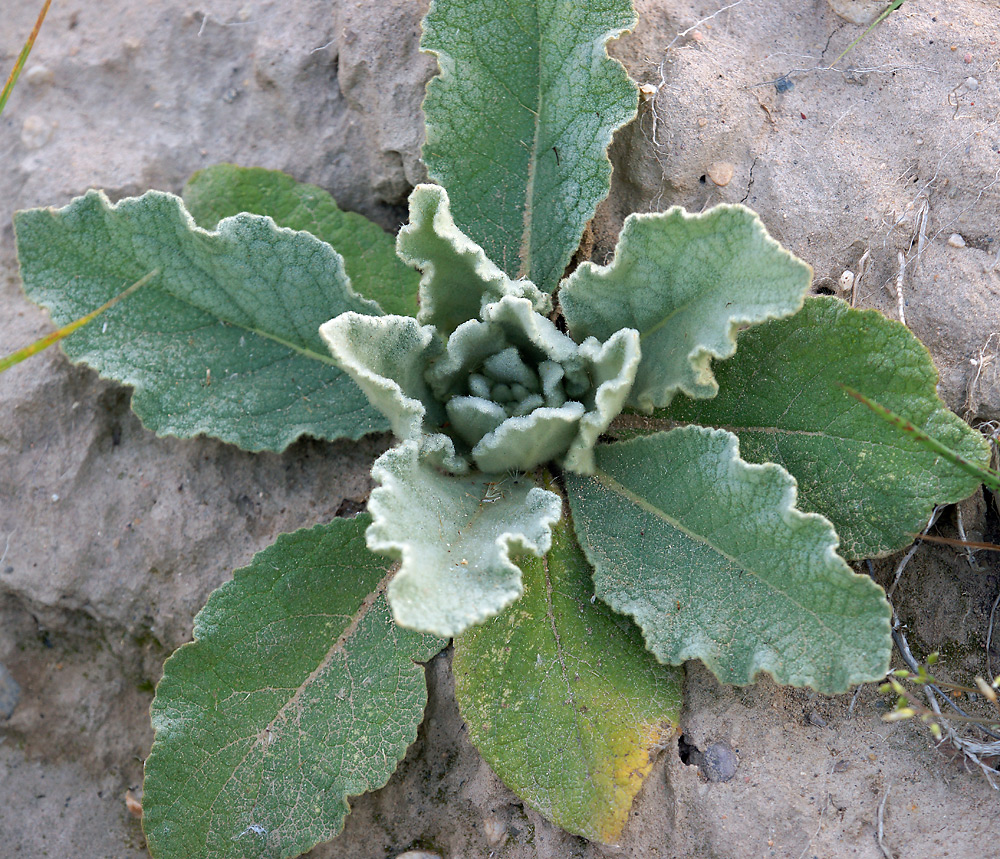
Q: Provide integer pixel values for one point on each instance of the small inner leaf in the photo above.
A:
(686, 283)
(561, 698)
(454, 535)
(711, 557)
(458, 278)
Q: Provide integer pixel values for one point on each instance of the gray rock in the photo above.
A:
(718, 762)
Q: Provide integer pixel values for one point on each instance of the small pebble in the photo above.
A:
(494, 829)
(702, 122)
(39, 74)
(817, 720)
(841, 766)
(956, 241)
(418, 854)
(718, 762)
(10, 693)
(36, 132)
(133, 802)
(647, 91)
(846, 281)
(968, 59)
(971, 84)
(721, 173)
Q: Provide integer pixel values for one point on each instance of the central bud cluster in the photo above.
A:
(516, 389)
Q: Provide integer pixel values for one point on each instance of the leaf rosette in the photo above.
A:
(480, 383)
(504, 390)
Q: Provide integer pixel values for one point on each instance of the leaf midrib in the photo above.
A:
(613, 485)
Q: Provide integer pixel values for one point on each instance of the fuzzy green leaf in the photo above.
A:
(711, 557)
(224, 341)
(297, 693)
(548, 398)
(455, 536)
(519, 120)
(370, 260)
(686, 283)
(388, 356)
(780, 395)
(561, 698)
(458, 278)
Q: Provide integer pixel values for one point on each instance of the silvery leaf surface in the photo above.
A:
(687, 283)
(519, 121)
(454, 536)
(519, 392)
(712, 558)
(457, 277)
(387, 357)
(223, 340)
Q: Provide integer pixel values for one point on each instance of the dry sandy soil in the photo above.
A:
(111, 539)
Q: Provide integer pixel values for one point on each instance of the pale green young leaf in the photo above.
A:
(713, 560)
(369, 254)
(224, 341)
(686, 283)
(781, 395)
(568, 393)
(388, 357)
(519, 120)
(297, 693)
(561, 698)
(458, 278)
(454, 535)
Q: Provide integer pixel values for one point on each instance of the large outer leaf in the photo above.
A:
(686, 283)
(710, 556)
(455, 536)
(561, 698)
(369, 252)
(779, 394)
(519, 119)
(224, 341)
(297, 693)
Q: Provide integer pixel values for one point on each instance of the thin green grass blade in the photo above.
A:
(43, 343)
(15, 72)
(990, 478)
(892, 7)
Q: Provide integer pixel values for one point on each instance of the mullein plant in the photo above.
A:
(590, 482)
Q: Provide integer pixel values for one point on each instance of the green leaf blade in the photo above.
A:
(561, 698)
(710, 556)
(519, 121)
(781, 395)
(455, 535)
(370, 260)
(297, 693)
(686, 283)
(224, 341)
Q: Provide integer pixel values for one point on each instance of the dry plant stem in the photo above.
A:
(881, 825)
(899, 286)
(935, 513)
(989, 638)
(23, 57)
(49, 339)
